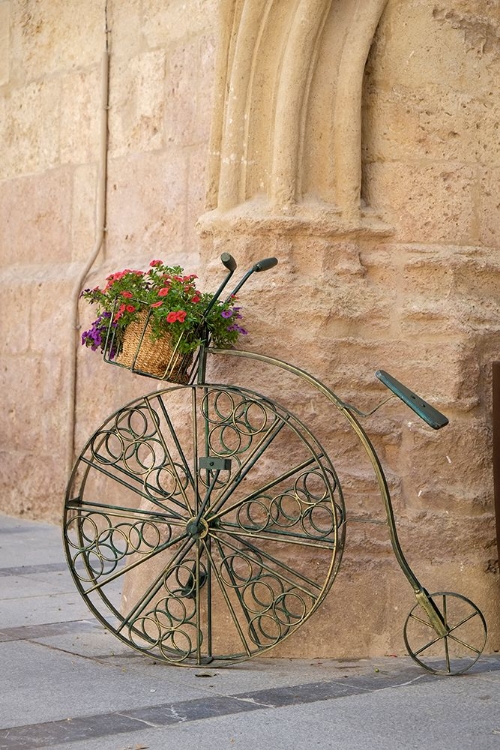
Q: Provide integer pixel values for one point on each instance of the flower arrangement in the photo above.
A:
(167, 302)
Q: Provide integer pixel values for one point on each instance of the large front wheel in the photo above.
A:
(203, 523)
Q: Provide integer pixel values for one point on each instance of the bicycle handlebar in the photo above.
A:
(265, 265)
(261, 265)
(229, 262)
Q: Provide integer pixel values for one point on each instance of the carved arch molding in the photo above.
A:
(286, 130)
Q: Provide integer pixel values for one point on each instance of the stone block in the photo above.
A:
(83, 216)
(433, 42)
(181, 107)
(137, 103)
(125, 22)
(47, 40)
(439, 479)
(80, 117)
(35, 215)
(29, 128)
(430, 123)
(189, 99)
(147, 204)
(51, 300)
(34, 385)
(196, 192)
(489, 207)
(426, 202)
(4, 43)
(15, 318)
(164, 24)
(31, 483)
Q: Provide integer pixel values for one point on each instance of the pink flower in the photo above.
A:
(163, 292)
(156, 263)
(157, 304)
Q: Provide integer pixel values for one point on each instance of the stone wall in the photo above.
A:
(51, 83)
(370, 172)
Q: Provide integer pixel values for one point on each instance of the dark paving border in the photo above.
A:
(49, 734)
(53, 733)
(31, 632)
(27, 570)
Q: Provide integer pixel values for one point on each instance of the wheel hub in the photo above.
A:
(197, 528)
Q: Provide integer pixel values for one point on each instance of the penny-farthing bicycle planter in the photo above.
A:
(205, 523)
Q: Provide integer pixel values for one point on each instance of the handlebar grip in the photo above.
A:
(265, 265)
(228, 261)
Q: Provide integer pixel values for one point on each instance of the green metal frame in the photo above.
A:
(207, 543)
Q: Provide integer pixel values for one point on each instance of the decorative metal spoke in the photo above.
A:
(180, 491)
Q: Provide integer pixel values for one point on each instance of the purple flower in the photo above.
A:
(95, 337)
(227, 313)
(237, 328)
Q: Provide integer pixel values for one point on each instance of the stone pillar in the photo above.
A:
(326, 151)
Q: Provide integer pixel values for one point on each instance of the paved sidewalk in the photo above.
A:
(67, 683)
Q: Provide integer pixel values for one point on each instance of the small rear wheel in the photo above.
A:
(459, 647)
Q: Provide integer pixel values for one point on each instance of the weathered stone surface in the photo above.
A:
(489, 207)
(407, 280)
(430, 42)
(83, 215)
(445, 215)
(28, 147)
(4, 42)
(163, 24)
(188, 103)
(137, 104)
(434, 123)
(79, 121)
(35, 215)
(47, 40)
(146, 203)
(125, 23)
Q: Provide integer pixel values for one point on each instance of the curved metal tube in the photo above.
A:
(365, 441)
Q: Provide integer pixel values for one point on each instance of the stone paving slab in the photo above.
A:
(72, 685)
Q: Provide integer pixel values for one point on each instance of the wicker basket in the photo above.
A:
(158, 358)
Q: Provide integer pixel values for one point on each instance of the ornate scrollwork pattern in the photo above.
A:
(203, 522)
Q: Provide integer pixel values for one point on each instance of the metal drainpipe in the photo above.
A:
(100, 223)
(496, 446)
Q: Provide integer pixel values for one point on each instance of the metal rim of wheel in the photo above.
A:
(203, 524)
(462, 645)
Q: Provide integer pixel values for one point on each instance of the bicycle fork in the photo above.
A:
(436, 619)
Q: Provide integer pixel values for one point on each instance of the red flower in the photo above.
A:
(171, 317)
(157, 304)
(163, 292)
(130, 308)
(196, 298)
(127, 294)
(156, 263)
(181, 316)
(119, 314)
